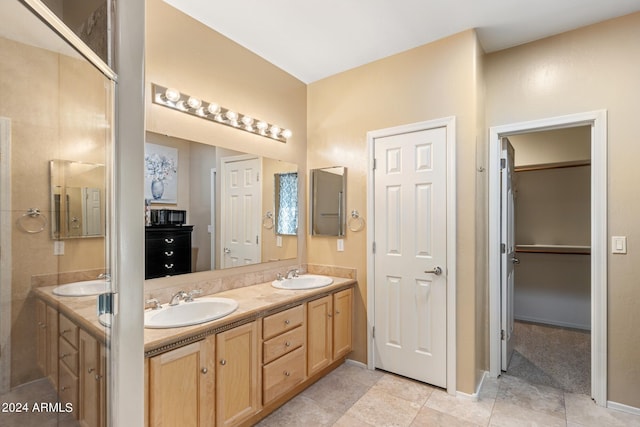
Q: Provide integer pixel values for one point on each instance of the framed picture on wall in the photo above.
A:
(160, 174)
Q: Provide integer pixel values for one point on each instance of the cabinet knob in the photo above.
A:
(330, 315)
(287, 373)
(223, 362)
(63, 355)
(65, 331)
(168, 240)
(168, 253)
(204, 370)
(287, 344)
(168, 266)
(286, 322)
(337, 311)
(63, 388)
(90, 370)
(98, 377)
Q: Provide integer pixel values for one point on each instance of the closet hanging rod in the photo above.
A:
(554, 249)
(546, 166)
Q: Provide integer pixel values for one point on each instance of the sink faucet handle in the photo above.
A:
(191, 294)
(105, 276)
(279, 276)
(155, 304)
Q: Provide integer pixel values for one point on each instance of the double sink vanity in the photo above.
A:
(224, 359)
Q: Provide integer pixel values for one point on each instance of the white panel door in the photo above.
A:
(241, 204)
(91, 212)
(410, 255)
(508, 259)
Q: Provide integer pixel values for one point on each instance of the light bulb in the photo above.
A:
(194, 103)
(200, 112)
(247, 121)
(172, 95)
(262, 126)
(219, 118)
(213, 108)
(275, 130)
(182, 106)
(286, 134)
(231, 115)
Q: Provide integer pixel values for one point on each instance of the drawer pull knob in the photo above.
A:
(287, 344)
(223, 362)
(168, 240)
(98, 377)
(169, 253)
(63, 355)
(330, 315)
(204, 370)
(337, 311)
(286, 322)
(168, 266)
(287, 373)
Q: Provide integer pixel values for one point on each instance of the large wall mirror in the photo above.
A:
(328, 196)
(243, 207)
(77, 199)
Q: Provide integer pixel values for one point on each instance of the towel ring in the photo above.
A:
(34, 213)
(267, 220)
(355, 222)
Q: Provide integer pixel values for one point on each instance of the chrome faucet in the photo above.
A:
(180, 295)
(191, 294)
(292, 273)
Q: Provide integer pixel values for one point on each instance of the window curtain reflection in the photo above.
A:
(287, 209)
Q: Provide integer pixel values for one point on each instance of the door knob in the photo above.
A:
(437, 271)
(515, 260)
(227, 250)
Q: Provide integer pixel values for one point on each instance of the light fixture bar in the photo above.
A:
(174, 99)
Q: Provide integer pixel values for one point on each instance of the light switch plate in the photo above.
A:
(340, 245)
(618, 244)
(58, 247)
(279, 241)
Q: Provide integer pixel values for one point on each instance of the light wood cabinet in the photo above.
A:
(182, 386)
(52, 345)
(41, 337)
(92, 381)
(329, 329)
(237, 380)
(319, 334)
(342, 322)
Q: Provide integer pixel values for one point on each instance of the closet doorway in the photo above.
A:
(552, 288)
(595, 121)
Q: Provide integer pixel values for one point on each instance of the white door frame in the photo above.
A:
(450, 124)
(598, 122)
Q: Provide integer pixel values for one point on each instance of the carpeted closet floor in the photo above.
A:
(554, 356)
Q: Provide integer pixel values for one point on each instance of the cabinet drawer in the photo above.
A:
(68, 330)
(282, 322)
(282, 375)
(282, 344)
(68, 355)
(68, 389)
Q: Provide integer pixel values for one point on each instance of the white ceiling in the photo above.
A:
(313, 39)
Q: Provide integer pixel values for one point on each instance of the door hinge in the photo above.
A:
(373, 247)
(373, 332)
(375, 164)
(503, 163)
(257, 240)
(502, 334)
(503, 248)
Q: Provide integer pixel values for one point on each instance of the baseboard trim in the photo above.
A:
(356, 363)
(623, 408)
(473, 397)
(552, 322)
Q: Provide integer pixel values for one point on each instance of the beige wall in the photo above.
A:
(183, 53)
(592, 68)
(429, 82)
(57, 108)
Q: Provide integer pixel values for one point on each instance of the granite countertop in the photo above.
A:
(253, 301)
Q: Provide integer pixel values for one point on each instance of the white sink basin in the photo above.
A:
(198, 311)
(82, 289)
(306, 281)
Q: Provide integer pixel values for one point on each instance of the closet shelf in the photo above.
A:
(555, 249)
(546, 166)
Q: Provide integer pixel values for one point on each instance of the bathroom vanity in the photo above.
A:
(228, 372)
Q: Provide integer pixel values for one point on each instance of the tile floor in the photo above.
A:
(354, 396)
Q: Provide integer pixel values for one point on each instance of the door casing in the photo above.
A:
(450, 124)
(598, 122)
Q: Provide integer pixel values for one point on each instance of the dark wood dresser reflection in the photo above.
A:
(167, 250)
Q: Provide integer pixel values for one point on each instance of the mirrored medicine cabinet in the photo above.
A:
(328, 200)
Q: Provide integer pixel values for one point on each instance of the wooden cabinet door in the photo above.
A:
(182, 386)
(90, 376)
(342, 315)
(319, 334)
(237, 388)
(41, 336)
(52, 345)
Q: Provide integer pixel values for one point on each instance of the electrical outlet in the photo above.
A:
(58, 247)
(279, 241)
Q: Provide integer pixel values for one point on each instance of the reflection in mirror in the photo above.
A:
(286, 203)
(328, 190)
(77, 199)
(234, 222)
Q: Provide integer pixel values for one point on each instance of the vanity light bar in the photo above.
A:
(172, 98)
